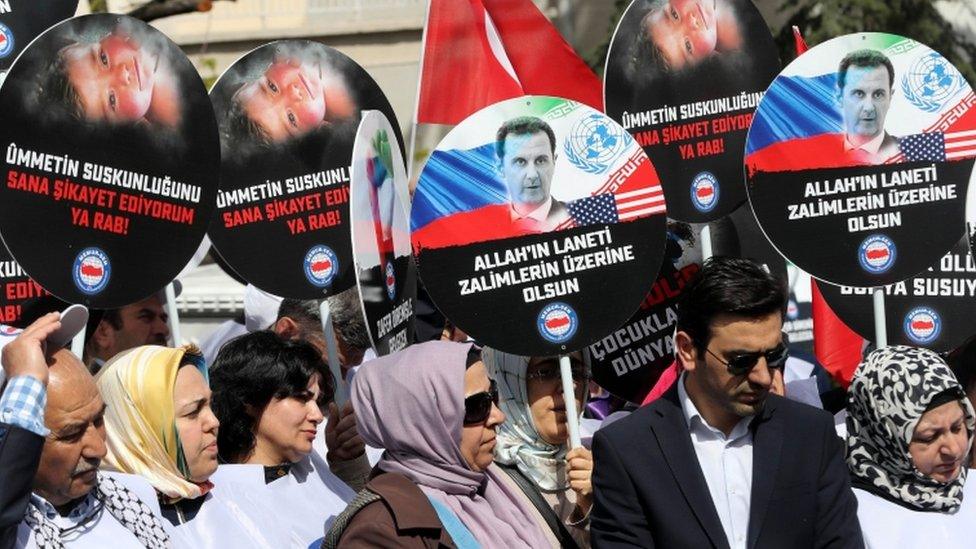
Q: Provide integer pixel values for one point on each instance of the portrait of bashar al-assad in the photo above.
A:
(865, 84)
(526, 154)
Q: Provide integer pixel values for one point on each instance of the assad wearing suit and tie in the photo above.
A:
(718, 461)
(526, 150)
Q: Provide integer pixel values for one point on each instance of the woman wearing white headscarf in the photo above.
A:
(533, 444)
(910, 428)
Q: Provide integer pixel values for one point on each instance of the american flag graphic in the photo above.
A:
(937, 146)
(612, 208)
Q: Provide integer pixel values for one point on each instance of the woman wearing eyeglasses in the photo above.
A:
(909, 433)
(432, 408)
(533, 443)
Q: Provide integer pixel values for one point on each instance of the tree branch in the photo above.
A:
(157, 9)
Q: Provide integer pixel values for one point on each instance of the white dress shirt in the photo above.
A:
(726, 463)
(886, 524)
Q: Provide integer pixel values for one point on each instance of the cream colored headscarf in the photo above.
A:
(140, 419)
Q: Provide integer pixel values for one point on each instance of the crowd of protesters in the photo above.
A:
(448, 444)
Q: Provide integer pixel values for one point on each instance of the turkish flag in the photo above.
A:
(480, 52)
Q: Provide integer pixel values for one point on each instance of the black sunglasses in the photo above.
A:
(742, 364)
(477, 407)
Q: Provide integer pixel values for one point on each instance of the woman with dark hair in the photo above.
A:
(909, 432)
(269, 394)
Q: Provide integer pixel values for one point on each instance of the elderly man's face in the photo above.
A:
(865, 100)
(527, 169)
(76, 445)
(143, 323)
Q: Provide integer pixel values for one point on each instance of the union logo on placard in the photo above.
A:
(321, 265)
(923, 325)
(390, 281)
(704, 192)
(557, 322)
(6, 41)
(931, 82)
(877, 254)
(9, 330)
(91, 271)
(594, 144)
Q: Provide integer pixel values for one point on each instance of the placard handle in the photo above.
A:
(880, 320)
(569, 396)
(332, 350)
(174, 315)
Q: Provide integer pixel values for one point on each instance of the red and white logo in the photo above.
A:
(877, 254)
(557, 322)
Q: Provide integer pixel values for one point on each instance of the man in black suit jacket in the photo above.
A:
(717, 461)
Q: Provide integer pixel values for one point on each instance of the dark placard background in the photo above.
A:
(283, 206)
(629, 361)
(15, 289)
(692, 119)
(933, 310)
(99, 207)
(23, 20)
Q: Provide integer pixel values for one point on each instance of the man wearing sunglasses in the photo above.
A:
(719, 461)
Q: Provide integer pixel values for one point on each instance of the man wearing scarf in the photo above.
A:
(72, 504)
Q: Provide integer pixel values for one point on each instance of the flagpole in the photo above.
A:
(412, 146)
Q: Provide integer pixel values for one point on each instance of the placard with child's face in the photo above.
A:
(859, 157)
(538, 225)
(288, 114)
(684, 78)
(110, 160)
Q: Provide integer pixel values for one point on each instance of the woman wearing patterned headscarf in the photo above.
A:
(910, 428)
(533, 444)
(159, 425)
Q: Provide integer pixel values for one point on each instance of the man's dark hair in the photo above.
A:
(113, 317)
(251, 370)
(727, 285)
(347, 316)
(865, 59)
(523, 125)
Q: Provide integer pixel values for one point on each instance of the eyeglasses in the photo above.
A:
(553, 373)
(742, 364)
(477, 407)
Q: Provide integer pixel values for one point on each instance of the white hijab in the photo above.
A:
(519, 442)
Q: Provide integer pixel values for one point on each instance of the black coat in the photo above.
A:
(20, 452)
(649, 490)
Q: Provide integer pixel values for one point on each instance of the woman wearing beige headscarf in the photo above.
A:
(159, 426)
